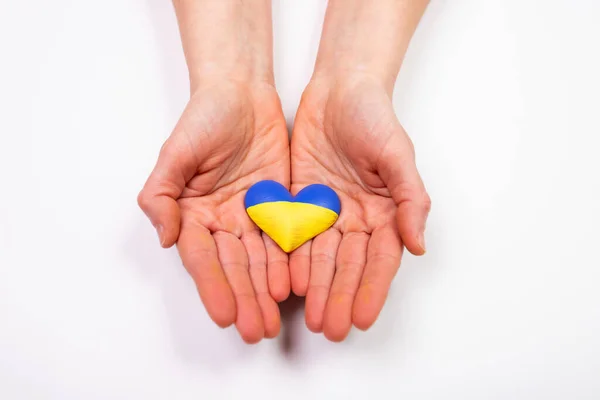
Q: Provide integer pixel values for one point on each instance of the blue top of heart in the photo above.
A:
(270, 191)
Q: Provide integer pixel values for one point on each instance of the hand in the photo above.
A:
(346, 135)
(229, 137)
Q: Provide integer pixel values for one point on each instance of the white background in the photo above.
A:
(502, 100)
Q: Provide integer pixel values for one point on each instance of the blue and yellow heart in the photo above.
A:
(292, 220)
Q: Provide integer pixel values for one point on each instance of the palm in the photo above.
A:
(245, 146)
(228, 138)
(334, 149)
(340, 139)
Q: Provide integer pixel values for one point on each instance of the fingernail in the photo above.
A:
(159, 231)
(421, 241)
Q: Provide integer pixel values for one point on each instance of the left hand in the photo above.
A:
(347, 136)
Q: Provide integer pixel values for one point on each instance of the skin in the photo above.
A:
(346, 135)
(232, 134)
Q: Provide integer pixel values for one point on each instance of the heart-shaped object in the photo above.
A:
(292, 220)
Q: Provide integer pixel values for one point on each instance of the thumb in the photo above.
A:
(398, 170)
(158, 198)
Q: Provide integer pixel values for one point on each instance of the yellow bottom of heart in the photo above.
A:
(291, 224)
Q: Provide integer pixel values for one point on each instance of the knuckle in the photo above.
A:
(259, 266)
(319, 288)
(384, 259)
(244, 295)
(166, 146)
(403, 192)
(349, 266)
(275, 264)
(144, 200)
(322, 258)
(169, 150)
(414, 195)
(426, 202)
(234, 266)
(343, 292)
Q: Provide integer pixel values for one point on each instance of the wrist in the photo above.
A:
(232, 88)
(238, 69)
(351, 74)
(226, 40)
(367, 38)
(333, 86)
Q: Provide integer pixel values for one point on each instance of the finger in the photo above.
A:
(398, 170)
(300, 269)
(234, 260)
(158, 199)
(383, 260)
(277, 270)
(349, 263)
(322, 265)
(257, 258)
(198, 252)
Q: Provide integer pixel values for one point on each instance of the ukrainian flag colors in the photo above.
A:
(292, 220)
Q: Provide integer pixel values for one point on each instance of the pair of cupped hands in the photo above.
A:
(233, 134)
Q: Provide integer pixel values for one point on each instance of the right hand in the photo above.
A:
(230, 136)
(346, 135)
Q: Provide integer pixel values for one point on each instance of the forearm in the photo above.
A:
(230, 39)
(367, 37)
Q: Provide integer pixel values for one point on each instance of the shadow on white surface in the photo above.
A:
(196, 339)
